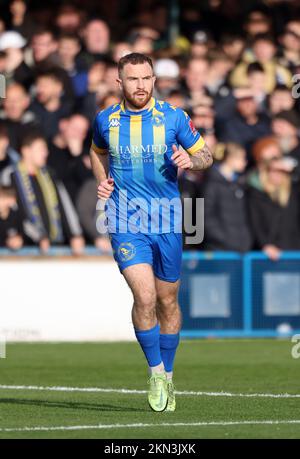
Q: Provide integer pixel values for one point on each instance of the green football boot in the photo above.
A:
(158, 394)
(171, 405)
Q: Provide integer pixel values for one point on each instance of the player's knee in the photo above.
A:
(167, 303)
(145, 301)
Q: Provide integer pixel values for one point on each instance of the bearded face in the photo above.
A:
(137, 82)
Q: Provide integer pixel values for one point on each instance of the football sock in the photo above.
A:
(149, 342)
(168, 347)
(169, 375)
(159, 369)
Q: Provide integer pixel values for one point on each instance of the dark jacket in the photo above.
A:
(225, 214)
(272, 223)
(237, 130)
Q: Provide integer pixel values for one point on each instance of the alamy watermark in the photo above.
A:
(296, 86)
(151, 216)
(296, 348)
(2, 87)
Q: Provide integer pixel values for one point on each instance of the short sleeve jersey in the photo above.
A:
(139, 145)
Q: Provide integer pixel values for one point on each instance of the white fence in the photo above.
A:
(64, 300)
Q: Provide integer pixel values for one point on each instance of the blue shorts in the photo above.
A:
(162, 251)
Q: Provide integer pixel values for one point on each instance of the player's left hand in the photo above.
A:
(181, 158)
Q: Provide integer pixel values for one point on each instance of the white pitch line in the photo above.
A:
(134, 391)
(142, 425)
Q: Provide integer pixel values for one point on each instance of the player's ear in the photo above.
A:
(120, 84)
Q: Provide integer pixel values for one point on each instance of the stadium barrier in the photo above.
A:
(231, 295)
(59, 297)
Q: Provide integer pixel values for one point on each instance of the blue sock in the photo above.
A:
(149, 342)
(168, 347)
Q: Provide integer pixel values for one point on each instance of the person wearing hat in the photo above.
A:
(15, 69)
(167, 74)
(200, 44)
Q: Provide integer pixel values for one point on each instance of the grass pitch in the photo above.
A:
(205, 369)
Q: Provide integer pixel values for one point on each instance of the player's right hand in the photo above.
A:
(106, 188)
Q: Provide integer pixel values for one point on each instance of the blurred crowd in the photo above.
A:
(236, 71)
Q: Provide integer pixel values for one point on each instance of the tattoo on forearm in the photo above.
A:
(202, 159)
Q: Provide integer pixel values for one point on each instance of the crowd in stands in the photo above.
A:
(235, 72)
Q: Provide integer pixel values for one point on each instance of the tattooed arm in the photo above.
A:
(200, 160)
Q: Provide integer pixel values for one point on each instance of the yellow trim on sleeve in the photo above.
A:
(101, 151)
(196, 147)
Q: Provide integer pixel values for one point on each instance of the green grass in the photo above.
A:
(237, 366)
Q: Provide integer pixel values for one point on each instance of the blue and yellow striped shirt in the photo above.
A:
(139, 145)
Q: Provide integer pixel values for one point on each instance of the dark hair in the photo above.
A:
(254, 67)
(41, 30)
(30, 138)
(69, 36)
(53, 73)
(281, 87)
(134, 59)
(263, 37)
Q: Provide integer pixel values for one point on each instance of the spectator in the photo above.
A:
(247, 125)
(15, 69)
(43, 49)
(68, 49)
(219, 67)
(176, 98)
(233, 46)
(167, 74)
(95, 91)
(257, 22)
(273, 202)
(257, 84)
(226, 221)
(48, 214)
(69, 18)
(280, 100)
(10, 220)
(263, 51)
(120, 49)
(21, 20)
(141, 41)
(67, 152)
(289, 55)
(68, 54)
(49, 105)
(203, 117)
(16, 115)
(285, 126)
(200, 45)
(196, 77)
(96, 37)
